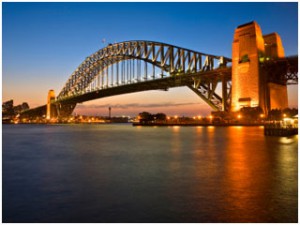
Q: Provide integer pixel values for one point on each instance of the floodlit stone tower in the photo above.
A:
(50, 107)
(250, 87)
(276, 94)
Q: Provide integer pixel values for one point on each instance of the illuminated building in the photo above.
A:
(276, 96)
(249, 85)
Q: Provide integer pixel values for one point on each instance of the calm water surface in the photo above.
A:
(120, 173)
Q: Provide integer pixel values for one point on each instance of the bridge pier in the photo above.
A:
(251, 86)
(57, 109)
(51, 109)
(65, 109)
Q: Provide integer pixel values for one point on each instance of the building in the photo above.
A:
(250, 86)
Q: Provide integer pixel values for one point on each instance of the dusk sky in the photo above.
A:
(43, 43)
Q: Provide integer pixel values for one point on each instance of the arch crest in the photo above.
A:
(169, 58)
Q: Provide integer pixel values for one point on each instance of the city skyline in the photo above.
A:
(43, 43)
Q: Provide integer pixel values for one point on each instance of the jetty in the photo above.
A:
(285, 127)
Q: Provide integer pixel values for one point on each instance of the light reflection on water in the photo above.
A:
(120, 173)
(286, 140)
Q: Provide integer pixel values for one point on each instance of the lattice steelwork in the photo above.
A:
(282, 71)
(132, 62)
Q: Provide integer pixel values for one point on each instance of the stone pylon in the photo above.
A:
(50, 107)
(250, 86)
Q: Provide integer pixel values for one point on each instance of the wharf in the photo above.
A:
(280, 130)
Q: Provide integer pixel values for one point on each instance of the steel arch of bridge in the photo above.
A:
(119, 65)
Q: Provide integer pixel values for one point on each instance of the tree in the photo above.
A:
(160, 116)
(145, 117)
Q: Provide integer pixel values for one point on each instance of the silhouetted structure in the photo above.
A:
(9, 111)
(258, 76)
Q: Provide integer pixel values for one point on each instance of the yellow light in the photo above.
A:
(210, 117)
(175, 117)
(199, 117)
(176, 128)
(239, 116)
(194, 117)
(284, 115)
(262, 115)
(286, 140)
(168, 118)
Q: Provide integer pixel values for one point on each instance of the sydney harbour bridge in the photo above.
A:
(135, 66)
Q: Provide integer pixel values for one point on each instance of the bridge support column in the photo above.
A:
(250, 86)
(277, 97)
(50, 113)
(225, 95)
(65, 109)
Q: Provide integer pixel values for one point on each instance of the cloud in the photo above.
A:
(136, 105)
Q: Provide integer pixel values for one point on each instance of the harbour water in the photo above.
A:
(120, 173)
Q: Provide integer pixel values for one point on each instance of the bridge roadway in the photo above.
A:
(163, 84)
(156, 84)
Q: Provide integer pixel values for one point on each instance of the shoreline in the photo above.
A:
(197, 124)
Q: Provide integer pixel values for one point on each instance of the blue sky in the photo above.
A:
(43, 43)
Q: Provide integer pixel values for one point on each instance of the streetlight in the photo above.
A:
(210, 118)
(176, 118)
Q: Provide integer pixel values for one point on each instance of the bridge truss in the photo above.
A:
(145, 65)
(135, 66)
(282, 71)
